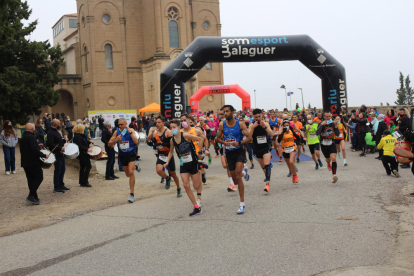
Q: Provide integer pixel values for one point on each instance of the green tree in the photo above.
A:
(28, 69)
(388, 104)
(409, 91)
(309, 106)
(381, 104)
(401, 93)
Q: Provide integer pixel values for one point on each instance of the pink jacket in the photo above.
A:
(387, 120)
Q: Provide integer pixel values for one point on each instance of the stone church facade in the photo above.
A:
(115, 55)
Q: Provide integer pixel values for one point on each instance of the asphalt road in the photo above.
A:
(296, 229)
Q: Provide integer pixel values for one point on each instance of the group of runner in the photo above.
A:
(231, 137)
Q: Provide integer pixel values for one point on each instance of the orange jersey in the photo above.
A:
(299, 126)
(317, 120)
(288, 140)
(158, 140)
(193, 132)
(341, 129)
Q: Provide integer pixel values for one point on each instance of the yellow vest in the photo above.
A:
(387, 143)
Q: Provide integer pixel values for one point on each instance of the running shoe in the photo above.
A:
(252, 167)
(203, 178)
(345, 164)
(271, 164)
(363, 155)
(179, 193)
(216, 156)
(131, 199)
(334, 179)
(339, 156)
(295, 179)
(395, 172)
(167, 183)
(246, 175)
(241, 210)
(280, 159)
(289, 174)
(266, 189)
(198, 200)
(137, 167)
(329, 167)
(209, 160)
(297, 160)
(232, 188)
(196, 211)
(320, 163)
(316, 166)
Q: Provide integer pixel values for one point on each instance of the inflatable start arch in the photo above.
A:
(252, 49)
(220, 89)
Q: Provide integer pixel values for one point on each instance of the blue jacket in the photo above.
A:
(353, 126)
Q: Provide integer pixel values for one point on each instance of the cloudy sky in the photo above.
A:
(373, 39)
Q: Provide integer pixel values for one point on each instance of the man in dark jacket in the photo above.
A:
(69, 127)
(55, 143)
(30, 154)
(106, 136)
(47, 121)
(403, 122)
(101, 124)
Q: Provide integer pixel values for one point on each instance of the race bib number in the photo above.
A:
(231, 146)
(124, 145)
(312, 136)
(289, 149)
(326, 142)
(212, 129)
(261, 139)
(187, 158)
(340, 135)
(163, 158)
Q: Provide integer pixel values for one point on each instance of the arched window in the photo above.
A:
(173, 31)
(86, 58)
(108, 57)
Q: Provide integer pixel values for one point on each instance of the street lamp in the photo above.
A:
(284, 87)
(303, 104)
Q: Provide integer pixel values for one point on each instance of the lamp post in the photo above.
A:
(255, 98)
(290, 97)
(303, 103)
(284, 87)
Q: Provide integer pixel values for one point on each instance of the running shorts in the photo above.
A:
(314, 147)
(171, 165)
(126, 159)
(235, 156)
(190, 167)
(287, 155)
(338, 141)
(260, 152)
(327, 150)
(298, 141)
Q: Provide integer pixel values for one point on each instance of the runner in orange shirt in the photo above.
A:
(318, 117)
(298, 132)
(287, 137)
(340, 140)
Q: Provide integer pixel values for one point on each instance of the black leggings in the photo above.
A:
(361, 141)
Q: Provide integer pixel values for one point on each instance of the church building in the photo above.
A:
(115, 51)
